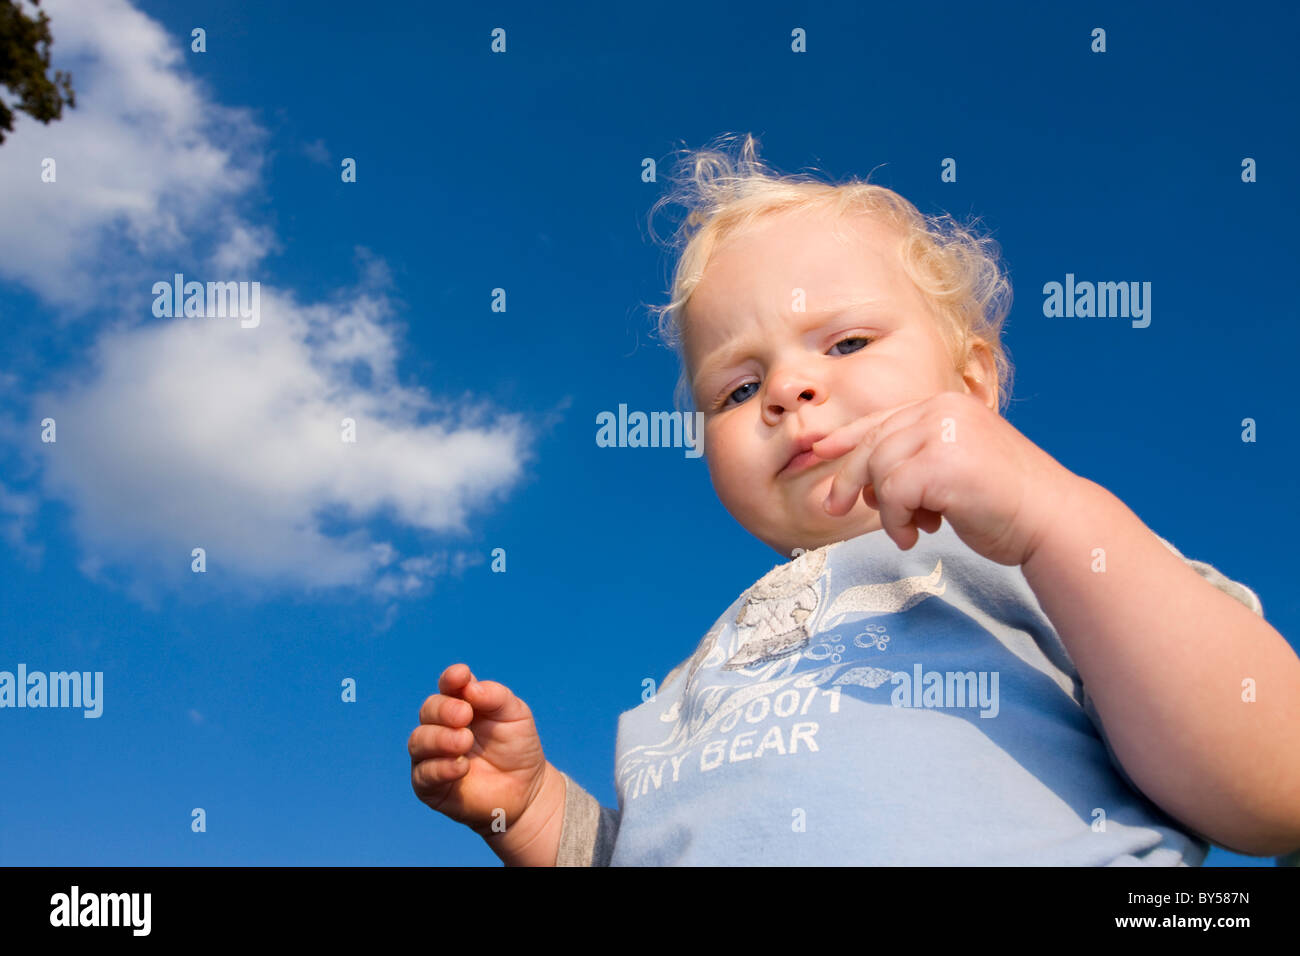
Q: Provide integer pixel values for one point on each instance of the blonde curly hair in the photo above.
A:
(958, 272)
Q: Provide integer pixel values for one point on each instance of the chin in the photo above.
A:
(861, 520)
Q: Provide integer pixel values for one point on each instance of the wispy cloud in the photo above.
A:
(317, 152)
(200, 433)
(197, 432)
(146, 164)
(17, 511)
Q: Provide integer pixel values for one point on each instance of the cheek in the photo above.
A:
(731, 466)
(718, 452)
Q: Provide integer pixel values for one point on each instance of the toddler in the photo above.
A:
(1038, 680)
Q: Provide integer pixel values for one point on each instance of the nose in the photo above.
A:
(787, 389)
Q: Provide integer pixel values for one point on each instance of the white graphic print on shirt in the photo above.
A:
(776, 627)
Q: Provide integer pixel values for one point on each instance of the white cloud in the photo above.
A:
(242, 247)
(196, 432)
(146, 162)
(200, 433)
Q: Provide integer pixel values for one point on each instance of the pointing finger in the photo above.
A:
(859, 431)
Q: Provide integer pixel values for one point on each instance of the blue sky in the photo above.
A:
(523, 171)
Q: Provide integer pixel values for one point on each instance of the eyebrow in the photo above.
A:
(731, 355)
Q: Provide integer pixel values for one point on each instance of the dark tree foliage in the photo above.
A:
(24, 61)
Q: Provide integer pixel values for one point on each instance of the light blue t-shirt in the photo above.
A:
(864, 705)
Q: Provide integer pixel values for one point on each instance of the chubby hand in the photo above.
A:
(948, 456)
(477, 752)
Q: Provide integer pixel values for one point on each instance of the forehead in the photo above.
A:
(834, 259)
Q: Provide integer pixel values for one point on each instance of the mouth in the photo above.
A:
(803, 457)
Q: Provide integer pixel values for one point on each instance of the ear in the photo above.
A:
(981, 373)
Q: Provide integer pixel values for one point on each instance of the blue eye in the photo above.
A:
(853, 338)
(727, 399)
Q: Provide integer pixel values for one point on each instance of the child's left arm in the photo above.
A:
(1164, 655)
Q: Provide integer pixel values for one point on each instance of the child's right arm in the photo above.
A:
(477, 758)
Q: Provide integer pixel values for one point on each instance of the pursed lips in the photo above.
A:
(802, 457)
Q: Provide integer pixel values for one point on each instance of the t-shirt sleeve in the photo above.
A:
(1212, 574)
(587, 834)
(1232, 588)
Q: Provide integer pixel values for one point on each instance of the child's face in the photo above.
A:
(781, 375)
